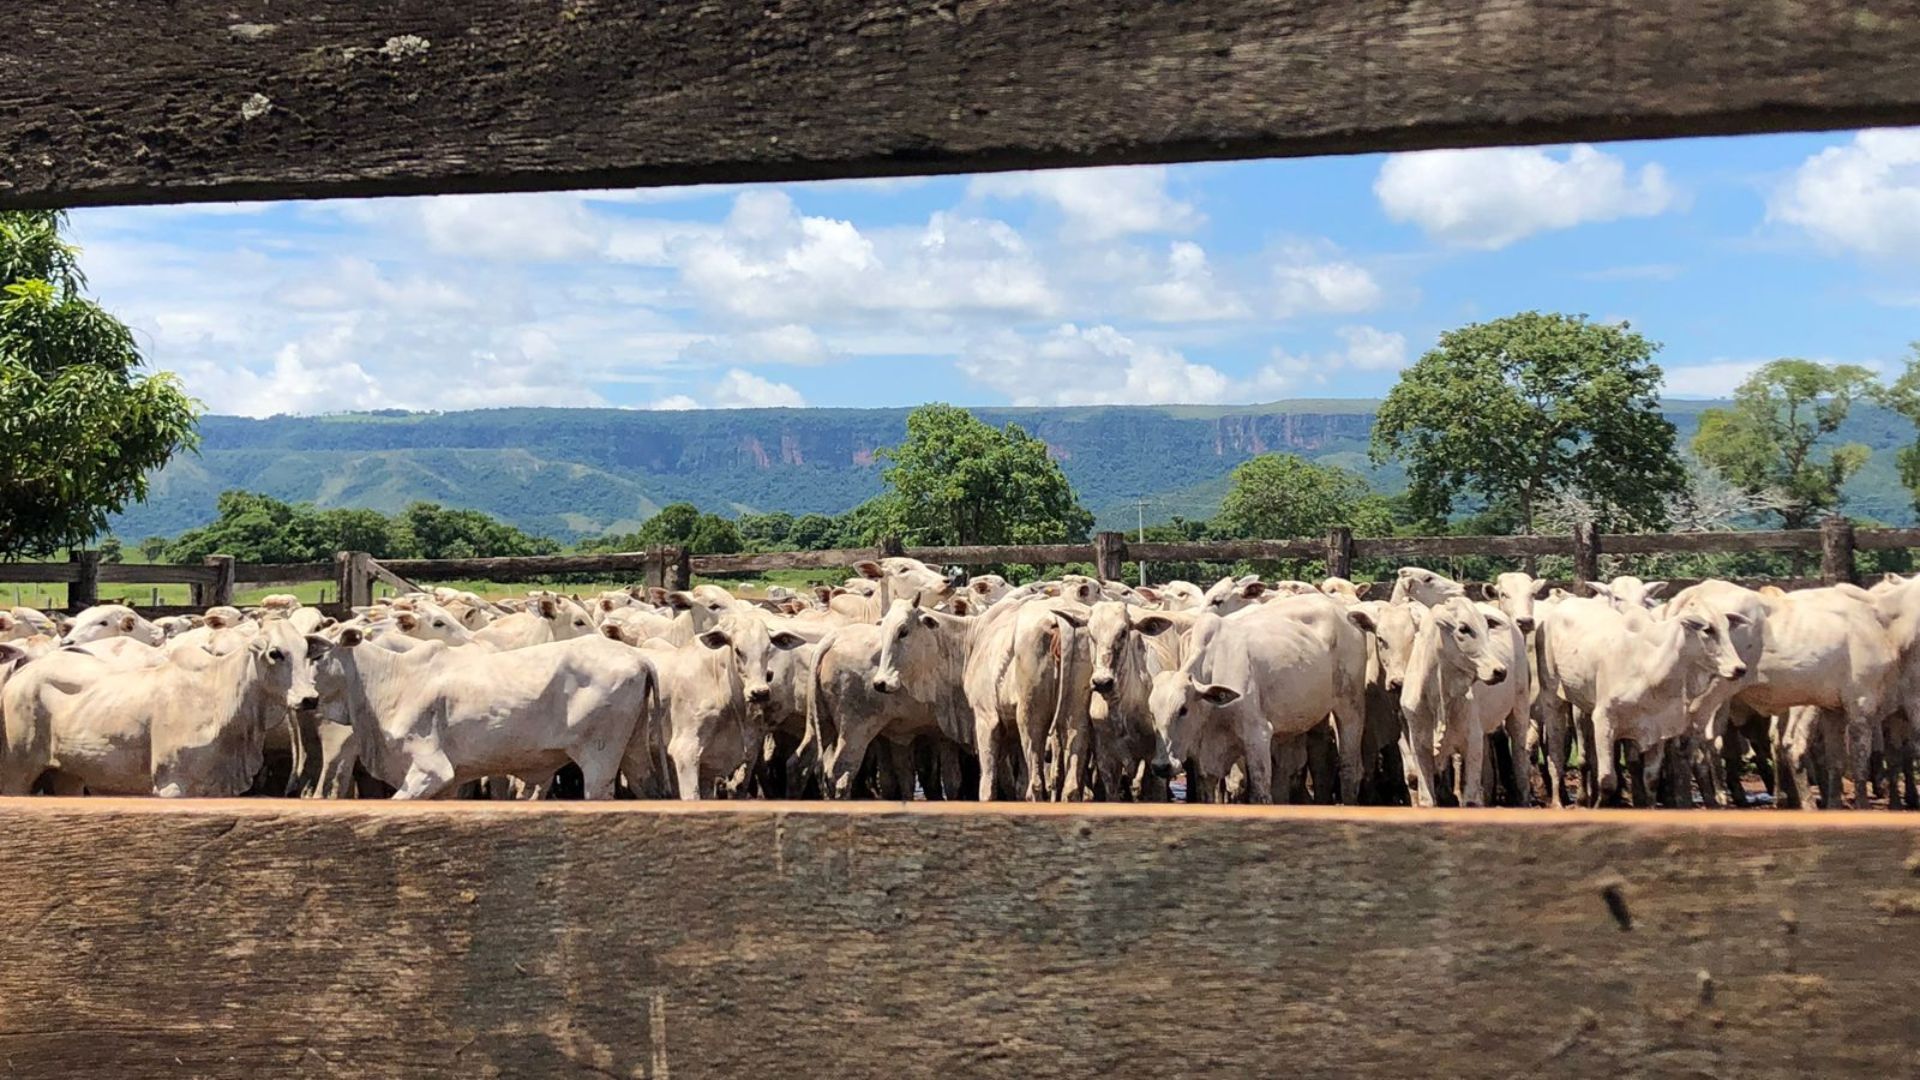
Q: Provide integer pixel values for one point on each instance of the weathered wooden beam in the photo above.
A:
(1227, 550)
(385, 575)
(283, 573)
(104, 101)
(157, 574)
(1757, 540)
(256, 938)
(1421, 547)
(520, 567)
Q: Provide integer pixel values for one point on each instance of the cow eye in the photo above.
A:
(1466, 631)
(1710, 632)
(769, 674)
(439, 622)
(902, 635)
(1183, 710)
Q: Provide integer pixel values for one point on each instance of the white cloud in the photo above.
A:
(522, 228)
(1490, 198)
(1864, 196)
(744, 390)
(1190, 293)
(787, 343)
(1095, 365)
(1369, 349)
(1716, 379)
(675, 403)
(772, 263)
(1305, 283)
(1098, 204)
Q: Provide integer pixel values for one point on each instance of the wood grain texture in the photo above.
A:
(105, 101)
(246, 939)
(157, 574)
(283, 573)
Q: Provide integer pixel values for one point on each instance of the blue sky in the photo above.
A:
(1224, 282)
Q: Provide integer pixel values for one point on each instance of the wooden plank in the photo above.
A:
(1711, 542)
(256, 938)
(1428, 547)
(519, 567)
(832, 559)
(1031, 554)
(39, 573)
(283, 573)
(385, 574)
(1885, 539)
(157, 574)
(1227, 550)
(106, 101)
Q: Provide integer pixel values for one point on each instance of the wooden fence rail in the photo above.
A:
(356, 574)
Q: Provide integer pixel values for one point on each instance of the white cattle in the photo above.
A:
(1825, 648)
(111, 620)
(1514, 594)
(432, 717)
(1424, 586)
(1632, 679)
(1229, 595)
(1451, 655)
(194, 725)
(1128, 646)
(548, 618)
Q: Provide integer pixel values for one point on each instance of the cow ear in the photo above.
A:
(1541, 589)
(127, 623)
(715, 639)
(786, 639)
(611, 631)
(1734, 618)
(680, 601)
(869, 569)
(1071, 618)
(1253, 590)
(959, 606)
(351, 637)
(1215, 694)
(1655, 588)
(1149, 595)
(548, 607)
(1153, 625)
(406, 620)
(826, 594)
(317, 646)
(1363, 619)
(606, 604)
(929, 621)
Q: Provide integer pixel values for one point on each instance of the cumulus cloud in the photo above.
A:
(772, 263)
(1863, 197)
(1098, 204)
(1096, 365)
(1370, 349)
(1716, 379)
(1308, 282)
(787, 343)
(675, 403)
(1189, 293)
(1491, 198)
(744, 390)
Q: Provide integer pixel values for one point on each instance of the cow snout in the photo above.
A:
(1498, 676)
(1525, 623)
(1395, 684)
(306, 701)
(1739, 671)
(1163, 770)
(1103, 684)
(884, 686)
(760, 695)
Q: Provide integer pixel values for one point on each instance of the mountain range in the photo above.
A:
(571, 473)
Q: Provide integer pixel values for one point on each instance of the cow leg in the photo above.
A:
(1518, 724)
(1555, 717)
(1604, 753)
(1792, 736)
(1858, 746)
(986, 741)
(1416, 757)
(1473, 770)
(1256, 742)
(66, 784)
(1076, 760)
(1287, 758)
(1350, 734)
(902, 776)
(428, 777)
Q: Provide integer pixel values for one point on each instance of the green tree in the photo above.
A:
(1510, 412)
(80, 427)
(1770, 439)
(812, 532)
(957, 480)
(676, 525)
(154, 548)
(1903, 397)
(766, 532)
(112, 550)
(1285, 496)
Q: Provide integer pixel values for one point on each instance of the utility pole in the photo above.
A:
(1141, 505)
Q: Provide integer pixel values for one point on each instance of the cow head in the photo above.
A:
(1460, 635)
(1711, 637)
(905, 632)
(1514, 593)
(751, 645)
(1425, 586)
(109, 621)
(1394, 627)
(1110, 626)
(1178, 704)
(1228, 595)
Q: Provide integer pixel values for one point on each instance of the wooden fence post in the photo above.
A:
(889, 547)
(356, 578)
(1109, 551)
(1836, 551)
(655, 574)
(1586, 553)
(84, 591)
(680, 567)
(221, 592)
(1340, 552)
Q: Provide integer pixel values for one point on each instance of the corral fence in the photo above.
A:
(258, 937)
(356, 575)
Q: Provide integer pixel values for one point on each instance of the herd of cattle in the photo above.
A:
(904, 681)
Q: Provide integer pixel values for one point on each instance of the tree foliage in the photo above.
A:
(676, 525)
(1903, 397)
(1509, 412)
(1768, 440)
(260, 529)
(958, 480)
(80, 426)
(1285, 496)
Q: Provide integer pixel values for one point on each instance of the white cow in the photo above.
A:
(111, 620)
(711, 711)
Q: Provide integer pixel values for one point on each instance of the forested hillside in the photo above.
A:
(571, 473)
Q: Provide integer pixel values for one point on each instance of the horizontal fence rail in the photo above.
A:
(357, 574)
